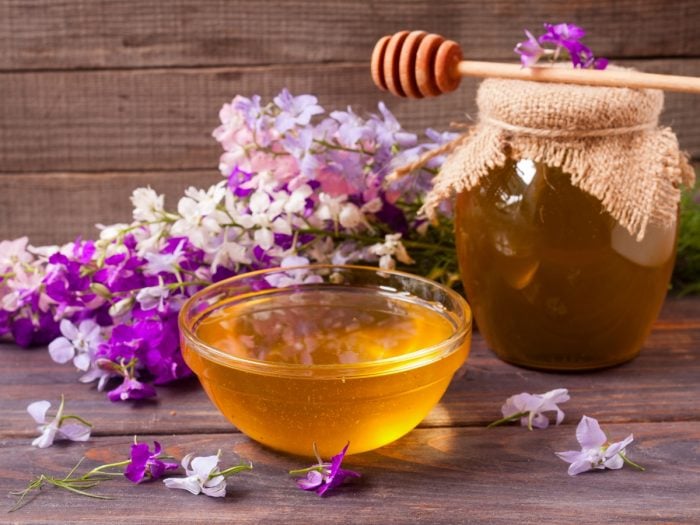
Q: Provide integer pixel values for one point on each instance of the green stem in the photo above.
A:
(508, 419)
(631, 463)
(101, 468)
(77, 418)
(233, 470)
(302, 471)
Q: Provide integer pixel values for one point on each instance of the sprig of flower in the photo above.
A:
(324, 476)
(204, 475)
(529, 408)
(596, 451)
(62, 426)
(559, 40)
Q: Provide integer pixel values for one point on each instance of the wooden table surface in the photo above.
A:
(451, 469)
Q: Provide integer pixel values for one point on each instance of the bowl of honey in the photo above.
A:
(325, 354)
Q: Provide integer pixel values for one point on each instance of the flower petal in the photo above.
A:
(615, 448)
(579, 466)
(61, 350)
(46, 438)
(68, 329)
(312, 480)
(215, 488)
(615, 462)
(190, 484)
(570, 456)
(38, 410)
(203, 466)
(589, 434)
(82, 362)
(74, 431)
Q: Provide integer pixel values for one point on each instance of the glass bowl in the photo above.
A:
(325, 354)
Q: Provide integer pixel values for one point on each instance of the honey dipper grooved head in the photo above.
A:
(416, 64)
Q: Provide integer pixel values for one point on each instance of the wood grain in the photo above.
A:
(162, 119)
(659, 385)
(61, 34)
(58, 207)
(451, 475)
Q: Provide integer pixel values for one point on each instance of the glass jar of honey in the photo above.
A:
(566, 220)
(554, 281)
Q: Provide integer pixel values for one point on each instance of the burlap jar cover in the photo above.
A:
(607, 139)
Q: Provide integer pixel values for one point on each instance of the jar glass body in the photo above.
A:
(554, 281)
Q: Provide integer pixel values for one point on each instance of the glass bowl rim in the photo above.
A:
(411, 360)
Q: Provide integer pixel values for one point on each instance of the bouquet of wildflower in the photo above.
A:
(298, 186)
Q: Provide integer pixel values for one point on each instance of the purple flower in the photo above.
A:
(562, 34)
(596, 452)
(560, 37)
(529, 50)
(528, 408)
(146, 464)
(325, 476)
(131, 389)
(295, 110)
(236, 179)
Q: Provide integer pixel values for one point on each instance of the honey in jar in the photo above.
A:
(553, 280)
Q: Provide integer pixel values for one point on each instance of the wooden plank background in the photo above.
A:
(98, 97)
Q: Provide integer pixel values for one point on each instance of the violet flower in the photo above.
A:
(529, 50)
(596, 451)
(562, 37)
(131, 388)
(324, 476)
(204, 476)
(145, 464)
(71, 427)
(529, 408)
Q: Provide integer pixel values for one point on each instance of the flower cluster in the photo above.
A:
(298, 186)
(559, 39)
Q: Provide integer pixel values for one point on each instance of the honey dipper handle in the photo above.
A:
(592, 77)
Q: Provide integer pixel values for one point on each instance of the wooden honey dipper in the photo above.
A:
(417, 64)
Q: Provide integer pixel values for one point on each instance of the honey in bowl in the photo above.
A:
(353, 354)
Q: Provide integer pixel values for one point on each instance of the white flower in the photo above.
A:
(153, 296)
(148, 205)
(75, 430)
(292, 277)
(111, 232)
(329, 207)
(351, 216)
(297, 200)
(264, 217)
(202, 476)
(531, 406)
(22, 285)
(14, 253)
(78, 343)
(233, 249)
(388, 250)
(164, 262)
(595, 453)
(200, 217)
